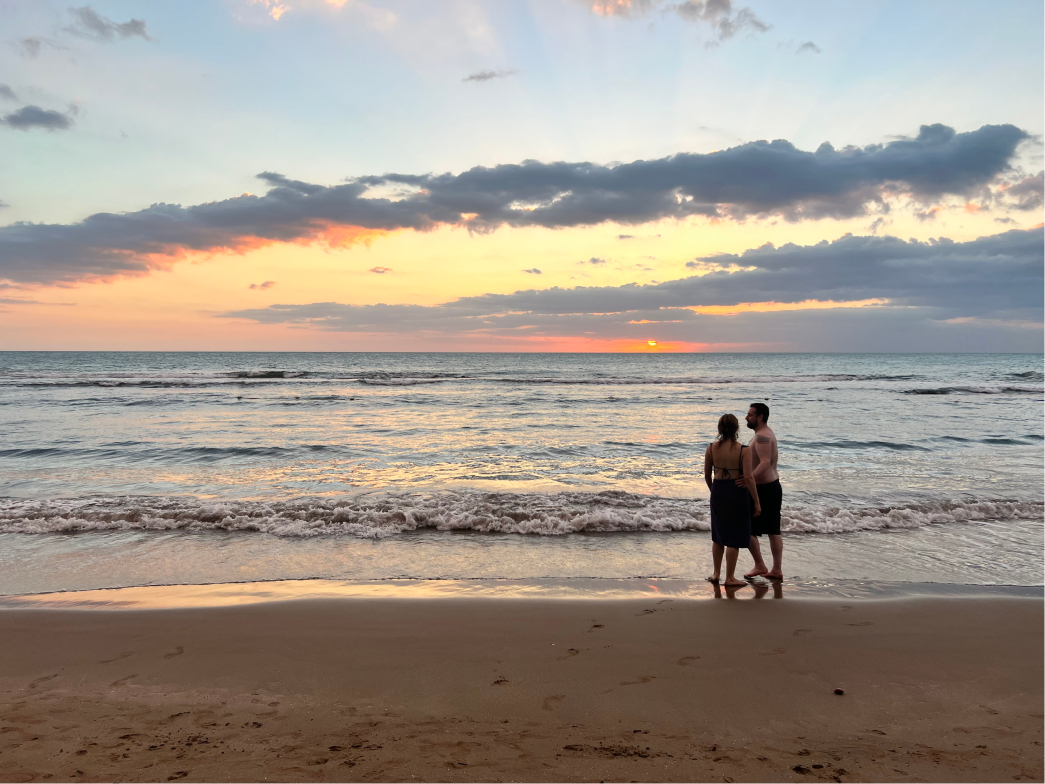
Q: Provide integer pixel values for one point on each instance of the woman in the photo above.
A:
(725, 461)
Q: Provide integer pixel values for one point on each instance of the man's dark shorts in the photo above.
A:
(770, 497)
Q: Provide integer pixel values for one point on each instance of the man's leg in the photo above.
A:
(732, 553)
(716, 556)
(756, 553)
(776, 546)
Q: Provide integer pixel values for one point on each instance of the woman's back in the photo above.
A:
(728, 459)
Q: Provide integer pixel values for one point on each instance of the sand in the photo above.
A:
(521, 690)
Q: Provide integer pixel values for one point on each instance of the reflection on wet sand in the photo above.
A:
(163, 597)
(761, 589)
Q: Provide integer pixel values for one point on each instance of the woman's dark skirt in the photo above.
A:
(730, 514)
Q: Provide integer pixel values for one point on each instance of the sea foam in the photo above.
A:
(375, 517)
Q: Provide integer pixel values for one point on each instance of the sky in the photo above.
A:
(542, 175)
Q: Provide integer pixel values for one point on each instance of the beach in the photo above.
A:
(514, 689)
(395, 567)
(389, 391)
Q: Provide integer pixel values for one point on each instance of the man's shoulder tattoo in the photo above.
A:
(763, 439)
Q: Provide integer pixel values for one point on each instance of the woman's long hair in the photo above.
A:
(727, 428)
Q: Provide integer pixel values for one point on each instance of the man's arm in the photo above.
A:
(763, 446)
(708, 466)
(749, 482)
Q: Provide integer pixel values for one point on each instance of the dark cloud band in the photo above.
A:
(756, 179)
(998, 278)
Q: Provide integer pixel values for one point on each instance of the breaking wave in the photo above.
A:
(377, 517)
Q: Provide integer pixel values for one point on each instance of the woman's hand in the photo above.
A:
(757, 512)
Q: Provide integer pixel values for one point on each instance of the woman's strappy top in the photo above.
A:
(739, 469)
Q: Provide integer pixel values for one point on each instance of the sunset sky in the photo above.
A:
(550, 175)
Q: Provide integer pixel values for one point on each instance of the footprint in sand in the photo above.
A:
(862, 623)
(642, 679)
(646, 612)
(685, 660)
(550, 702)
(44, 679)
(570, 652)
(123, 655)
(122, 681)
(664, 601)
(501, 681)
(990, 710)
(774, 652)
(800, 632)
(178, 651)
(178, 774)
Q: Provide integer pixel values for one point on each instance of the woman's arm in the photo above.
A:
(708, 469)
(749, 480)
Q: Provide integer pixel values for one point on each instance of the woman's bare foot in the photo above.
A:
(733, 582)
(774, 575)
(756, 572)
(712, 579)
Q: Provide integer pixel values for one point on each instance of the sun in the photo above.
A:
(652, 342)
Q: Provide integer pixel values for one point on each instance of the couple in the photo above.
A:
(745, 495)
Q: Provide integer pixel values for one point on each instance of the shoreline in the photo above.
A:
(650, 688)
(238, 593)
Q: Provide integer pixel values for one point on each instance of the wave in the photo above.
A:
(378, 517)
(411, 378)
(141, 383)
(400, 382)
(268, 374)
(897, 446)
(976, 390)
(997, 440)
(1029, 375)
(698, 380)
(140, 451)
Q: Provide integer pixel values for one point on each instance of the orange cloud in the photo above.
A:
(336, 236)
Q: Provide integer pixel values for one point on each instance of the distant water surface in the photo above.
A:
(146, 468)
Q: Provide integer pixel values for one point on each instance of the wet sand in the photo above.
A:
(466, 689)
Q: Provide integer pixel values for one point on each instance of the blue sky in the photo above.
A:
(191, 107)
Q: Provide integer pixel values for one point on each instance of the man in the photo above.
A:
(767, 483)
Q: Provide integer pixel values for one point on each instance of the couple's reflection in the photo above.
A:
(761, 590)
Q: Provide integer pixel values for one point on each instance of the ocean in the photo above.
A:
(134, 469)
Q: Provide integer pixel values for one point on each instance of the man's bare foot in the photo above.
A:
(712, 579)
(733, 582)
(774, 575)
(756, 572)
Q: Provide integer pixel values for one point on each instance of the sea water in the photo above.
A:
(121, 469)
